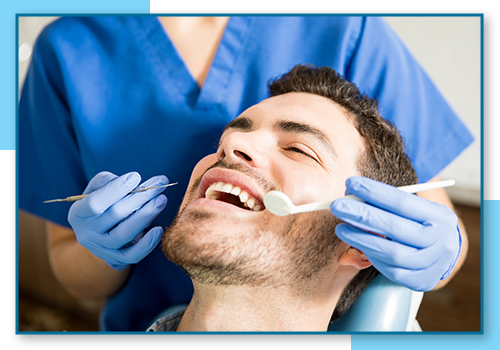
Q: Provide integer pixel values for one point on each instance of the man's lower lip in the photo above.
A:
(219, 204)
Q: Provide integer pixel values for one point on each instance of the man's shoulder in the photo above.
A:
(168, 323)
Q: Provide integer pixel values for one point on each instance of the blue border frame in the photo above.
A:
(489, 323)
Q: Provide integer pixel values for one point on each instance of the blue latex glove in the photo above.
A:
(109, 221)
(423, 240)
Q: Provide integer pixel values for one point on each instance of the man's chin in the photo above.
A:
(215, 252)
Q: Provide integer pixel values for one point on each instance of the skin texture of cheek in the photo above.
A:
(306, 182)
(308, 189)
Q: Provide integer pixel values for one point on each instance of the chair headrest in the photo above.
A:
(384, 306)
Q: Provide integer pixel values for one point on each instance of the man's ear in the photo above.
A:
(355, 258)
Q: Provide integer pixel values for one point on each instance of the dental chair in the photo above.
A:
(384, 306)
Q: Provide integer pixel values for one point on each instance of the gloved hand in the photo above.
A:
(109, 223)
(423, 240)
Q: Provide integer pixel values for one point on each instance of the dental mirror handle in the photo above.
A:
(323, 205)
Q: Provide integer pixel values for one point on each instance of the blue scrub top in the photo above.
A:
(112, 93)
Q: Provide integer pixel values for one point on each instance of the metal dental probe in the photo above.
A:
(75, 198)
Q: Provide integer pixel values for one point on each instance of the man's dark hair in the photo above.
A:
(384, 158)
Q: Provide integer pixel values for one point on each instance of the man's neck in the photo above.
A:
(244, 308)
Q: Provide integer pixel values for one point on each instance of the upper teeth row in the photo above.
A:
(211, 193)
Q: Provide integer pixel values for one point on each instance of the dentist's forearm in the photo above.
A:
(81, 273)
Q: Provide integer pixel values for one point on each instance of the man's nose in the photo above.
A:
(244, 147)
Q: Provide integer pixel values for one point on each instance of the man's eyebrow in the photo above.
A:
(242, 123)
(246, 124)
(300, 128)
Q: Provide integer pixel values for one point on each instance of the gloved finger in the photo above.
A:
(391, 199)
(421, 280)
(99, 180)
(373, 219)
(131, 203)
(137, 252)
(382, 249)
(127, 230)
(135, 240)
(137, 199)
(100, 200)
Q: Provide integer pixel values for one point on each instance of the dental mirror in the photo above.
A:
(280, 204)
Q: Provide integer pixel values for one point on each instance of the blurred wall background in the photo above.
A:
(449, 49)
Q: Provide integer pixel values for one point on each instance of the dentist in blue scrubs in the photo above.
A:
(110, 103)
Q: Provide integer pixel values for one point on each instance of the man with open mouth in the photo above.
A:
(251, 270)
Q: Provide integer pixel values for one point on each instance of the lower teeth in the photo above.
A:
(254, 207)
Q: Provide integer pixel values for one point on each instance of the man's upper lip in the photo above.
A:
(233, 177)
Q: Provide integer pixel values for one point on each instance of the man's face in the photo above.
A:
(297, 143)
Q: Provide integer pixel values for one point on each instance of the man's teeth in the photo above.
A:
(244, 197)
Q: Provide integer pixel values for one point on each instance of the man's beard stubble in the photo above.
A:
(265, 256)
